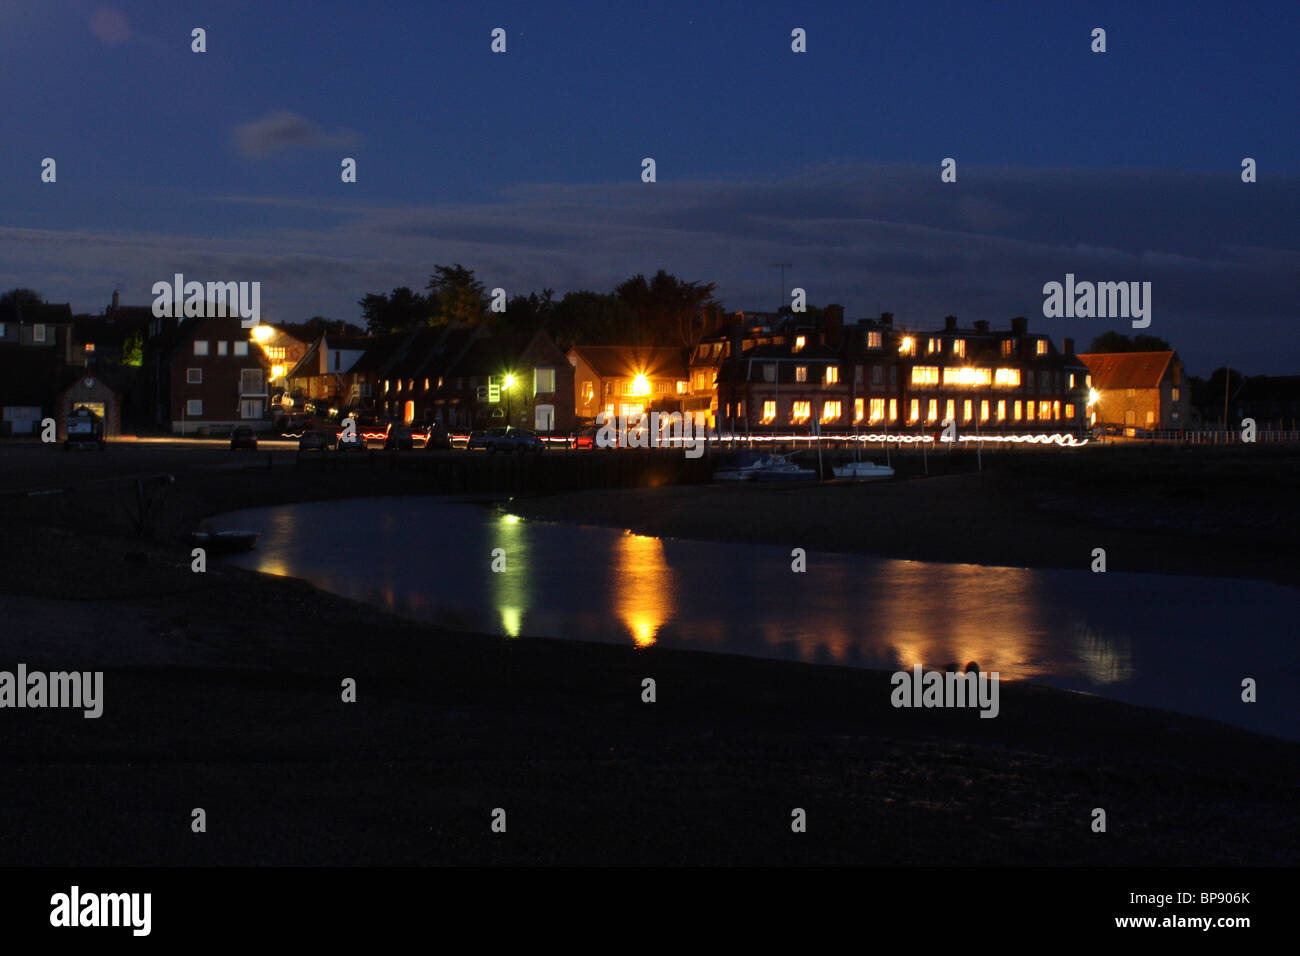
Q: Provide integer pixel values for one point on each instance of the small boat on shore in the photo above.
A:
(781, 468)
(225, 542)
(863, 471)
(750, 466)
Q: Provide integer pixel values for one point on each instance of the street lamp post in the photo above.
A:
(510, 384)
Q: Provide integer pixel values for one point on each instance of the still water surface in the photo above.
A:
(1177, 643)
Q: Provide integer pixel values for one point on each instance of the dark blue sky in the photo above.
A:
(526, 166)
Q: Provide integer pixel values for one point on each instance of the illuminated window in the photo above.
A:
(1044, 410)
(1173, 392)
(222, 346)
(681, 387)
(857, 408)
(967, 376)
(934, 345)
(1071, 380)
(801, 373)
(932, 410)
(984, 410)
(925, 375)
(873, 340)
(831, 411)
(1029, 411)
(800, 412)
(1008, 347)
(1009, 377)
(893, 409)
(1041, 347)
(385, 385)
(959, 348)
(798, 342)
(877, 409)
(1056, 411)
(914, 412)
(275, 353)
(1151, 419)
(1069, 411)
(200, 346)
(426, 384)
(1088, 380)
(832, 374)
(241, 348)
(950, 411)
(967, 410)
(90, 350)
(907, 346)
(1016, 412)
(1002, 410)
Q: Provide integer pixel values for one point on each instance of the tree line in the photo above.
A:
(662, 310)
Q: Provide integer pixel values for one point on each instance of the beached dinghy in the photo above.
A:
(225, 542)
(863, 471)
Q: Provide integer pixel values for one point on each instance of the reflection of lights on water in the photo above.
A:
(643, 581)
(510, 587)
(512, 620)
(1104, 661)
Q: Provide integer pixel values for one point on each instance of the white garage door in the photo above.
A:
(24, 418)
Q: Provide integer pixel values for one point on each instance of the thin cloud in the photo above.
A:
(284, 130)
(110, 26)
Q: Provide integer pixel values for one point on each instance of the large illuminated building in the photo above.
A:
(873, 375)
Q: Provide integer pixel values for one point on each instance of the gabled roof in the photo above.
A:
(1127, 369)
(380, 352)
(626, 361)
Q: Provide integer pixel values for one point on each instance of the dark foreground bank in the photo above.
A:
(223, 692)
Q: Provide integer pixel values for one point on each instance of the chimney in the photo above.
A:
(950, 323)
(982, 326)
(1069, 346)
(115, 300)
(1019, 325)
(886, 318)
(834, 325)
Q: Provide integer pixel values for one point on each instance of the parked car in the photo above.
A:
(298, 424)
(512, 439)
(398, 438)
(85, 430)
(354, 440)
(438, 438)
(243, 437)
(314, 441)
(478, 439)
(586, 438)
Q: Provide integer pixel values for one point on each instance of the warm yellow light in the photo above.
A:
(1094, 397)
(640, 385)
(276, 371)
(907, 346)
(263, 333)
(510, 381)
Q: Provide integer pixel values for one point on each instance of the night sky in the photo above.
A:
(1122, 166)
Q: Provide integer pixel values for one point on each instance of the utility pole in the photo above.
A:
(1227, 377)
(782, 266)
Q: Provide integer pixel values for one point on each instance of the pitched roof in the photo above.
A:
(626, 361)
(1126, 369)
